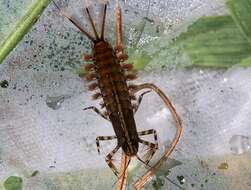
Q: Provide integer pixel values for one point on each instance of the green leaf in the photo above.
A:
(21, 28)
(139, 60)
(214, 42)
(240, 11)
(245, 62)
(13, 183)
(166, 167)
(204, 25)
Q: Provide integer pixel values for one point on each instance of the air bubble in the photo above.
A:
(181, 179)
(240, 144)
(54, 102)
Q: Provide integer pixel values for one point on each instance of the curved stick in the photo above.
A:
(141, 182)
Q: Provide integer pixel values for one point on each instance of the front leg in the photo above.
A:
(104, 115)
(139, 101)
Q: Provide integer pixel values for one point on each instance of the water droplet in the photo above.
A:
(4, 84)
(54, 102)
(223, 166)
(181, 179)
(240, 144)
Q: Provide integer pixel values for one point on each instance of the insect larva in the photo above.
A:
(109, 75)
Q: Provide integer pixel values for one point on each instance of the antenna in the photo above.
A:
(103, 23)
(74, 21)
(92, 23)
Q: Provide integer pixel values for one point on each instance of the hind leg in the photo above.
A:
(153, 147)
(149, 132)
(103, 138)
(151, 151)
(108, 160)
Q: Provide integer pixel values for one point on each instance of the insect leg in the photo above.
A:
(151, 145)
(141, 182)
(153, 148)
(139, 100)
(103, 138)
(148, 132)
(108, 160)
(97, 111)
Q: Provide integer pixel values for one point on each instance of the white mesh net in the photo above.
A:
(43, 126)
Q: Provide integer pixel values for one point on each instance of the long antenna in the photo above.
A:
(73, 21)
(103, 23)
(92, 23)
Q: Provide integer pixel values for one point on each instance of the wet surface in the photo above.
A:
(43, 126)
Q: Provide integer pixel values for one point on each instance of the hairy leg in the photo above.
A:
(108, 160)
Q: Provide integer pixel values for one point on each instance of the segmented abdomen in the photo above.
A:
(111, 81)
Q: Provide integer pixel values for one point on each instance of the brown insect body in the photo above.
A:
(110, 73)
(112, 83)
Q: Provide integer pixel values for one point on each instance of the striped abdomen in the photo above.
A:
(111, 81)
